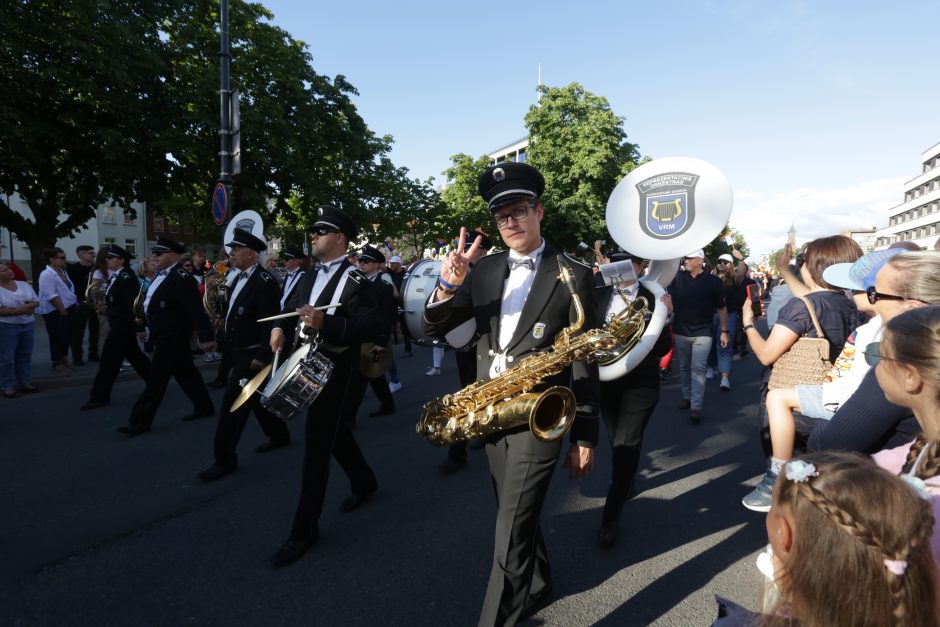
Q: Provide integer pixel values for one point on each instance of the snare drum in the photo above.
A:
(297, 382)
(416, 287)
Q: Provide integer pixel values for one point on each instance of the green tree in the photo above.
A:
(718, 246)
(463, 205)
(80, 117)
(580, 147)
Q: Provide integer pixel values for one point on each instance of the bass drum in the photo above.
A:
(416, 288)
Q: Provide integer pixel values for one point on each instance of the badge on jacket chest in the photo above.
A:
(538, 330)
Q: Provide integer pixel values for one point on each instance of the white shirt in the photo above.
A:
(323, 277)
(515, 293)
(240, 281)
(157, 280)
(23, 294)
(53, 284)
(289, 282)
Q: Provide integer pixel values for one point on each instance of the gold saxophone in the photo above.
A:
(139, 315)
(627, 328)
(215, 298)
(94, 293)
(506, 401)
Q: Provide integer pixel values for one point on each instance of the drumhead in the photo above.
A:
(284, 370)
(416, 288)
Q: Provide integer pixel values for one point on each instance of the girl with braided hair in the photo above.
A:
(850, 547)
(908, 371)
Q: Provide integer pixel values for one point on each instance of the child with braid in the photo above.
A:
(908, 371)
(850, 547)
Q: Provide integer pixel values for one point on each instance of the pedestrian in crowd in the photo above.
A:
(254, 296)
(697, 297)
(732, 274)
(397, 273)
(18, 274)
(198, 256)
(100, 278)
(297, 264)
(437, 361)
(519, 309)
(837, 317)
(173, 310)
(121, 341)
(18, 303)
(867, 421)
(85, 313)
(849, 545)
(628, 402)
(274, 270)
(340, 332)
(186, 263)
(57, 305)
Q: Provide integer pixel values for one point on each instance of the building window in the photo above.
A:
(130, 245)
(109, 217)
(522, 156)
(159, 224)
(110, 240)
(128, 218)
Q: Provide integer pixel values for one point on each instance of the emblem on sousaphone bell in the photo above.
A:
(668, 204)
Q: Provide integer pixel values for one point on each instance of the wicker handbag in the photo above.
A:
(804, 363)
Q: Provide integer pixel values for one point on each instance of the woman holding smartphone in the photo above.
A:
(18, 302)
(732, 279)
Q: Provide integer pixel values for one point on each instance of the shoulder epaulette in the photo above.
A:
(266, 276)
(124, 274)
(182, 272)
(357, 276)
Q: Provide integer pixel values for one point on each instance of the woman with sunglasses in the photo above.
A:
(837, 317)
(868, 422)
(907, 366)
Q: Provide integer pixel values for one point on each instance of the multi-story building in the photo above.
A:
(917, 219)
(516, 151)
(866, 238)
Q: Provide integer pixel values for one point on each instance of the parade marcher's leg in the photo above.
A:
(231, 424)
(384, 394)
(112, 355)
(522, 468)
(726, 354)
(147, 404)
(700, 347)
(191, 381)
(683, 351)
(362, 481)
(94, 330)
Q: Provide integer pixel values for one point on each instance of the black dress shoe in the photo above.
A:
(196, 415)
(29, 389)
(607, 535)
(536, 605)
(354, 501)
(216, 471)
(215, 385)
(270, 445)
(450, 465)
(292, 550)
(383, 410)
(93, 405)
(132, 429)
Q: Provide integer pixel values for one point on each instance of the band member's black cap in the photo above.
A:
(292, 252)
(370, 254)
(243, 238)
(116, 251)
(505, 182)
(165, 244)
(336, 219)
(622, 255)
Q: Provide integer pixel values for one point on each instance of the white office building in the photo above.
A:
(917, 219)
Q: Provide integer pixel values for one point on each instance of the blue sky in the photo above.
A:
(817, 112)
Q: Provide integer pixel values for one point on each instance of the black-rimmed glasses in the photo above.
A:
(873, 354)
(874, 297)
(516, 213)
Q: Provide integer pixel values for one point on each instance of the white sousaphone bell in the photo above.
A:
(662, 211)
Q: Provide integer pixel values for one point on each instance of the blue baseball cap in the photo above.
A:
(860, 275)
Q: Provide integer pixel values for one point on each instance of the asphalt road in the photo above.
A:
(99, 529)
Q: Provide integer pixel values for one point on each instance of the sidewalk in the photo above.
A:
(45, 378)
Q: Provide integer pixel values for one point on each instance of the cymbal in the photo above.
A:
(371, 368)
(256, 382)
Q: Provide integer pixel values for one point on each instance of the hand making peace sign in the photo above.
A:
(457, 262)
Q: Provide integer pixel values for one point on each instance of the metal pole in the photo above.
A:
(225, 129)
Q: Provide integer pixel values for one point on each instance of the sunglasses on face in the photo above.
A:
(157, 253)
(874, 297)
(322, 230)
(873, 354)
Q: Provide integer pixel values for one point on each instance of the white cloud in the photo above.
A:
(764, 219)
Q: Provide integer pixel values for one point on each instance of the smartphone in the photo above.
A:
(753, 294)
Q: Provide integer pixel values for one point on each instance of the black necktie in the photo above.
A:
(526, 262)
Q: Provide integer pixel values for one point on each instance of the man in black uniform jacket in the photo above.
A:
(121, 341)
(341, 331)
(173, 309)
(519, 306)
(628, 401)
(370, 264)
(254, 295)
(293, 259)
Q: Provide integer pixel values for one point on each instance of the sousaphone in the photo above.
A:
(662, 211)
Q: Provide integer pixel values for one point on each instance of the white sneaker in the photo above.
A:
(433, 371)
(710, 373)
(725, 385)
(394, 387)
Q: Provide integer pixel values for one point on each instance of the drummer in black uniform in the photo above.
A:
(294, 261)
(173, 309)
(254, 295)
(121, 341)
(341, 331)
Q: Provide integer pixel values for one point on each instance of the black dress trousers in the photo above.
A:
(120, 344)
(231, 424)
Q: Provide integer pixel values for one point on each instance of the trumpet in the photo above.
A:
(215, 298)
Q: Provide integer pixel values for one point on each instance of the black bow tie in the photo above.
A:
(161, 273)
(526, 263)
(240, 276)
(326, 267)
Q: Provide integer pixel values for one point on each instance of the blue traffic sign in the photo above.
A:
(219, 203)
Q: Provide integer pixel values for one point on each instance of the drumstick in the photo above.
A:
(297, 313)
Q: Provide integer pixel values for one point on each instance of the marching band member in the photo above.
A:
(173, 310)
(293, 259)
(519, 306)
(121, 341)
(341, 331)
(628, 402)
(254, 295)
(370, 264)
